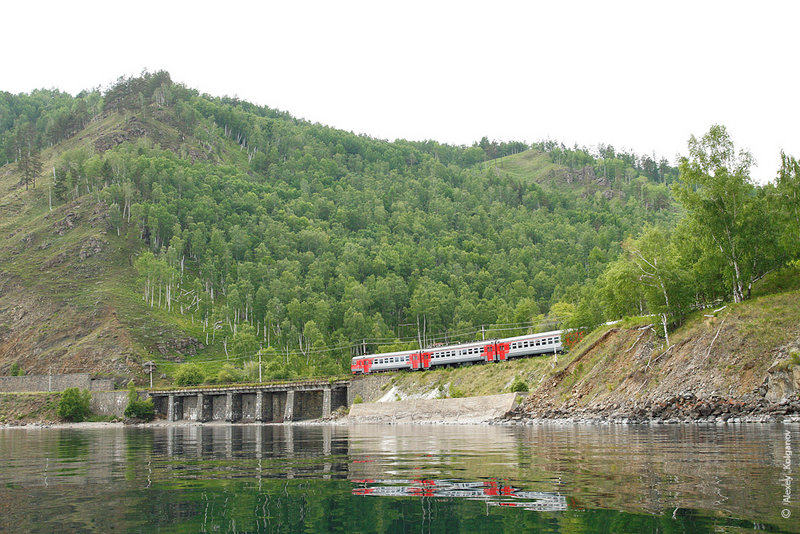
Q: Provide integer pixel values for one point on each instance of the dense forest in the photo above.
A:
(308, 244)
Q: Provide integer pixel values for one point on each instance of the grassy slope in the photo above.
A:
(528, 166)
(71, 313)
(29, 407)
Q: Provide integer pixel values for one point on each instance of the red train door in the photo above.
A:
(421, 360)
(501, 351)
(488, 352)
(495, 352)
(365, 365)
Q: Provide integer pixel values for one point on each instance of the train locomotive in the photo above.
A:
(495, 350)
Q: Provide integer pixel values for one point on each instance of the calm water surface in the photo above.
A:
(275, 478)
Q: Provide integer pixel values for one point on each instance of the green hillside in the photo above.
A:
(170, 225)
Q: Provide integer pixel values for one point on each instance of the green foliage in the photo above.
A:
(733, 234)
(137, 408)
(358, 399)
(189, 374)
(335, 239)
(519, 386)
(74, 404)
(250, 371)
(15, 370)
(276, 370)
(228, 374)
(787, 193)
(456, 393)
(258, 228)
(734, 224)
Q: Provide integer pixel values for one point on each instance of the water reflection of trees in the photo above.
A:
(287, 478)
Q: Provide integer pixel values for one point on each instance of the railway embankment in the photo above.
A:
(740, 363)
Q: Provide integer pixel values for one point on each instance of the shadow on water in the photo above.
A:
(321, 478)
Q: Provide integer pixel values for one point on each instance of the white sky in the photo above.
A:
(641, 75)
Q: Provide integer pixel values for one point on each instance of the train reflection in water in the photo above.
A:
(493, 492)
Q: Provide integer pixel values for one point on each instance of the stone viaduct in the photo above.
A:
(275, 403)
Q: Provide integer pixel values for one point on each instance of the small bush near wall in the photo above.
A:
(139, 409)
(189, 374)
(74, 405)
(519, 386)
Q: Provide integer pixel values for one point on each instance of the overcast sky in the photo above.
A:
(638, 75)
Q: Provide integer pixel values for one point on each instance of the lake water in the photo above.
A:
(281, 478)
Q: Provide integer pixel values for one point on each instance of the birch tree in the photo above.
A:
(718, 194)
(664, 283)
(788, 189)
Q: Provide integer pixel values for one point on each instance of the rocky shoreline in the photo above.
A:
(684, 408)
(677, 409)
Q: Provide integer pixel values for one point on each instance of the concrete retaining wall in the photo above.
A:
(463, 410)
(109, 402)
(368, 387)
(58, 382)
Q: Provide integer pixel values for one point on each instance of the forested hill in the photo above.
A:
(150, 221)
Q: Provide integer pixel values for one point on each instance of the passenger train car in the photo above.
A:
(479, 351)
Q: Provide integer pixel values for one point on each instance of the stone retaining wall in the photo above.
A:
(368, 387)
(109, 402)
(56, 382)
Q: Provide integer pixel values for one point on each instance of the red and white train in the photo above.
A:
(496, 350)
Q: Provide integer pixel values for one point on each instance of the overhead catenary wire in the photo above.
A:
(378, 342)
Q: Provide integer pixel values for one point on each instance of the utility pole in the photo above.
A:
(150, 366)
